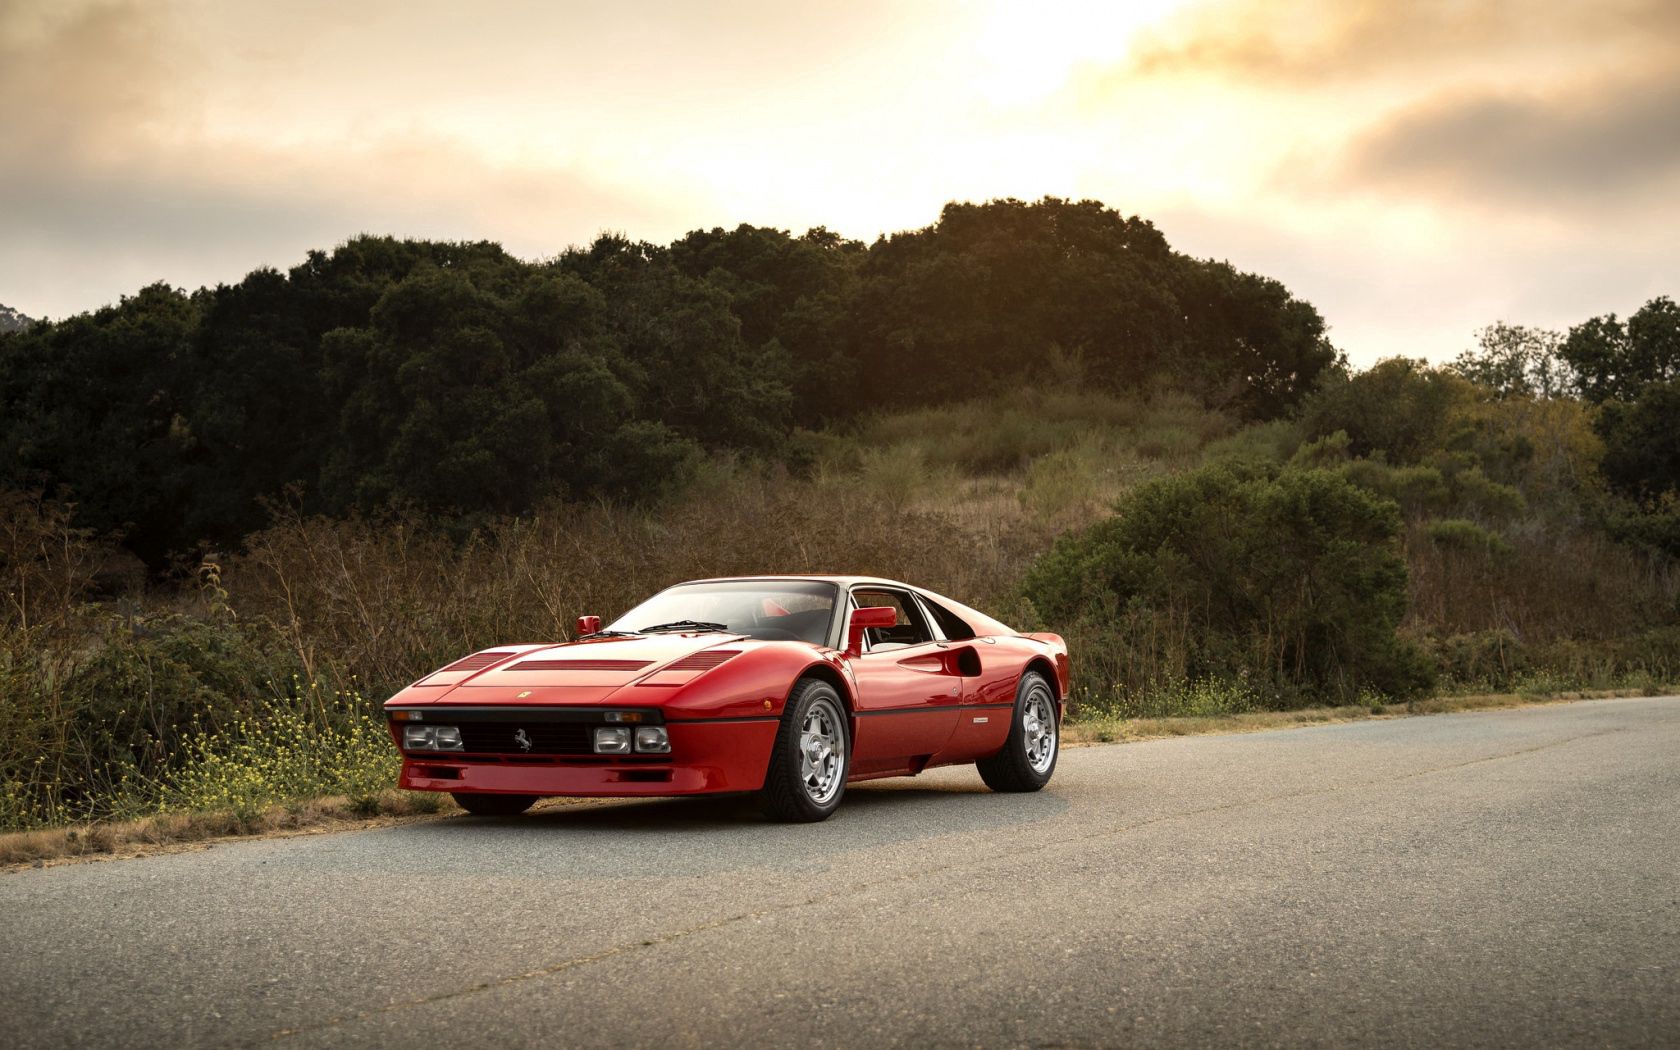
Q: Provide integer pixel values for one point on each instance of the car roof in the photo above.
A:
(816, 577)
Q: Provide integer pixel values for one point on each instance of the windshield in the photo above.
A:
(774, 610)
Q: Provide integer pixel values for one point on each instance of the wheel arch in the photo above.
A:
(1047, 670)
(828, 673)
(1044, 667)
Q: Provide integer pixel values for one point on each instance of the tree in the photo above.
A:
(1615, 360)
(978, 302)
(1642, 442)
(1517, 361)
(93, 409)
(1399, 408)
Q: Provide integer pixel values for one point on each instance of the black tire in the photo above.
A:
(1014, 768)
(481, 805)
(788, 795)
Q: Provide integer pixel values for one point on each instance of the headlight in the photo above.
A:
(652, 740)
(432, 738)
(612, 740)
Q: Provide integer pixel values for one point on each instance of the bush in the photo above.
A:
(1490, 659)
(84, 715)
(1459, 534)
(1292, 578)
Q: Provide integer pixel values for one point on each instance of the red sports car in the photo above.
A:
(788, 686)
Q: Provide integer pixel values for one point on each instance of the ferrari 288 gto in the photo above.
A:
(791, 687)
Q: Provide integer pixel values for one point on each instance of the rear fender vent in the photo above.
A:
(477, 661)
(580, 665)
(703, 661)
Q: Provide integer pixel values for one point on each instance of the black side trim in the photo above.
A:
(720, 721)
(925, 710)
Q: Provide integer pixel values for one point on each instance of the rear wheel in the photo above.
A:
(480, 805)
(1029, 755)
(808, 764)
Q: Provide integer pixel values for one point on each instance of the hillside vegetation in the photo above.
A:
(234, 520)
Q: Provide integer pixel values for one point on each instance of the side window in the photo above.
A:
(952, 626)
(911, 629)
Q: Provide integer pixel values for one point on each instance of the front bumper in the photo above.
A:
(706, 757)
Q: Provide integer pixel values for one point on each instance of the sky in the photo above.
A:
(1415, 170)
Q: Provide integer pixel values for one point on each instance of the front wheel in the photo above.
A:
(480, 805)
(809, 761)
(1029, 755)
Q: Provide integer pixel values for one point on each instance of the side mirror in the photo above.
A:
(863, 620)
(588, 625)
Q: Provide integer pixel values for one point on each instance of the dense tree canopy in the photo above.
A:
(455, 378)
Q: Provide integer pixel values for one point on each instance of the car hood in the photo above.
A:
(583, 672)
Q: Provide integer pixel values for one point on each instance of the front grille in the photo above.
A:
(547, 738)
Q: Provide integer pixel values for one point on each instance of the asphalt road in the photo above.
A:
(1491, 879)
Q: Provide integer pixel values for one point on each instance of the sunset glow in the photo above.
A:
(1416, 171)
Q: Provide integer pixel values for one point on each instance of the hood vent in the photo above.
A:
(477, 661)
(580, 665)
(703, 661)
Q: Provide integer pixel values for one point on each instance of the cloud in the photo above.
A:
(1307, 42)
(111, 177)
(1474, 106)
(1605, 142)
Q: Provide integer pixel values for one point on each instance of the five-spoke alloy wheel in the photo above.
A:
(1029, 755)
(808, 765)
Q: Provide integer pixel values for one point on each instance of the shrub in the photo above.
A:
(1489, 659)
(1463, 535)
(1291, 577)
(118, 703)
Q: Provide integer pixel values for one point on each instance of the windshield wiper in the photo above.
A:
(685, 625)
(606, 634)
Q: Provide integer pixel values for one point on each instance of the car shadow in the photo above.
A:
(680, 836)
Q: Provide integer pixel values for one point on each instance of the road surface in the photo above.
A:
(1507, 878)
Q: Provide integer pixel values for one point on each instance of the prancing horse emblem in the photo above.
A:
(522, 740)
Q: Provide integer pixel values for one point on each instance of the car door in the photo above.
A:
(908, 693)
